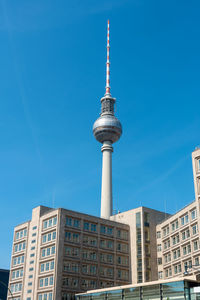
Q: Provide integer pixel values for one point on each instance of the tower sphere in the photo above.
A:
(107, 128)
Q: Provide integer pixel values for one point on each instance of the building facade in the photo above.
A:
(178, 236)
(60, 252)
(143, 242)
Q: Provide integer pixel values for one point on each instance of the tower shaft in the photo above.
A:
(106, 186)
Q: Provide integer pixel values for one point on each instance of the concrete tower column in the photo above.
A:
(106, 186)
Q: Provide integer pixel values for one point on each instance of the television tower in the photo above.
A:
(107, 130)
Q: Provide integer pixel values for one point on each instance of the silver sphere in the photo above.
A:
(107, 128)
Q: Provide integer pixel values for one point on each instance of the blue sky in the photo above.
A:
(52, 76)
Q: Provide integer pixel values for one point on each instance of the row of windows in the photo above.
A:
(87, 240)
(17, 274)
(71, 251)
(107, 272)
(90, 255)
(72, 237)
(20, 247)
(75, 267)
(48, 237)
(106, 230)
(175, 225)
(18, 260)
(47, 266)
(75, 238)
(184, 235)
(46, 281)
(21, 234)
(48, 251)
(45, 296)
(71, 267)
(122, 274)
(178, 269)
(89, 269)
(72, 222)
(85, 284)
(185, 249)
(88, 226)
(50, 222)
(16, 287)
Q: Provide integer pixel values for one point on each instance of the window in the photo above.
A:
(184, 220)
(159, 247)
(195, 245)
(32, 254)
(194, 229)
(19, 247)
(93, 227)
(17, 287)
(21, 234)
(159, 260)
(187, 249)
(196, 261)
(17, 274)
(158, 234)
(48, 237)
(193, 214)
(72, 237)
(46, 281)
(160, 275)
(41, 282)
(175, 269)
(175, 239)
(50, 222)
(18, 260)
(76, 223)
(166, 273)
(109, 230)
(177, 224)
(48, 251)
(86, 226)
(34, 228)
(68, 221)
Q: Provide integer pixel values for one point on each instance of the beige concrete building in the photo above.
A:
(143, 243)
(60, 252)
(178, 236)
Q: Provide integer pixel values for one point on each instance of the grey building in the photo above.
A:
(4, 278)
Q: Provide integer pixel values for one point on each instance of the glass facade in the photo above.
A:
(139, 247)
(177, 290)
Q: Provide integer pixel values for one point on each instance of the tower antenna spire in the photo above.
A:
(108, 61)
